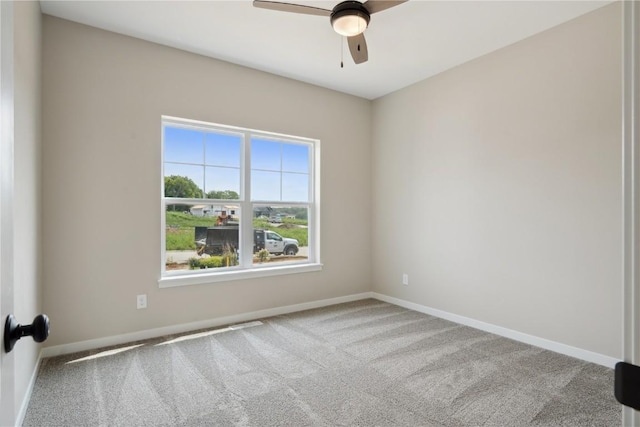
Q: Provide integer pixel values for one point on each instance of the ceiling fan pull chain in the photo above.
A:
(341, 52)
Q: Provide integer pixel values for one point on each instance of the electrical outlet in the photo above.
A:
(141, 301)
(405, 279)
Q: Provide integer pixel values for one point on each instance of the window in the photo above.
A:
(236, 203)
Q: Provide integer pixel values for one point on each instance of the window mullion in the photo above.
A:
(314, 199)
(204, 165)
(246, 221)
(281, 150)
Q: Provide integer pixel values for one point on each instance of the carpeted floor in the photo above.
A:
(366, 363)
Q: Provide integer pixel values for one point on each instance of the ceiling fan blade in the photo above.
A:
(374, 6)
(290, 7)
(358, 48)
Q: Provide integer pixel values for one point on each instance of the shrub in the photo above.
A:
(229, 256)
(263, 255)
(211, 262)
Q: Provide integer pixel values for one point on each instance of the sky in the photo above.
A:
(279, 170)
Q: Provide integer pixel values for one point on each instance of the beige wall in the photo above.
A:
(103, 95)
(495, 185)
(504, 177)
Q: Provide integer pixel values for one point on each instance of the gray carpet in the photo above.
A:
(366, 363)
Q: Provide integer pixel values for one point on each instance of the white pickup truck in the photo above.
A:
(274, 243)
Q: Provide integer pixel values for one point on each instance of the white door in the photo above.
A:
(631, 159)
(7, 398)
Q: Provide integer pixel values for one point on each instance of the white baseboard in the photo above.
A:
(578, 353)
(27, 396)
(59, 350)
(557, 347)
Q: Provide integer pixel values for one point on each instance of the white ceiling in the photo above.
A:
(407, 43)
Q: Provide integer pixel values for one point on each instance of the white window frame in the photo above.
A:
(246, 270)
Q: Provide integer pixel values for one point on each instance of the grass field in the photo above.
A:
(181, 230)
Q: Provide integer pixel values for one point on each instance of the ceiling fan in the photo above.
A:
(348, 18)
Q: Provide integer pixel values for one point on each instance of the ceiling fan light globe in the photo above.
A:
(350, 18)
(349, 25)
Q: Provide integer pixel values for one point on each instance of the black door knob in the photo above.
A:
(13, 331)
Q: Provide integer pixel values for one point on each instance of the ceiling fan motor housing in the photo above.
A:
(350, 9)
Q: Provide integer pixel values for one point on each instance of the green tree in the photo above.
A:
(181, 186)
(225, 194)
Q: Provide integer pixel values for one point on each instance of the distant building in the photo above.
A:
(202, 210)
(214, 210)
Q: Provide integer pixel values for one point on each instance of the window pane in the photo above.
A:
(223, 150)
(183, 145)
(295, 158)
(201, 236)
(265, 155)
(295, 187)
(281, 234)
(292, 183)
(222, 183)
(183, 180)
(265, 185)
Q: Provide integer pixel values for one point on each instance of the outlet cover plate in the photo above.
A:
(141, 301)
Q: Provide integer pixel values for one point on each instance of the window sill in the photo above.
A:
(170, 281)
